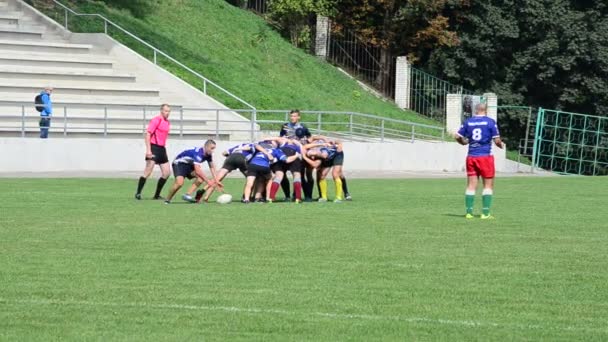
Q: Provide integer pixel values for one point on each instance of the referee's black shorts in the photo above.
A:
(159, 154)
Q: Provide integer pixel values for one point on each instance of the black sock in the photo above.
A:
(344, 186)
(159, 186)
(285, 186)
(306, 188)
(140, 184)
(199, 194)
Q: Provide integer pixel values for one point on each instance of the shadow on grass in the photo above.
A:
(454, 215)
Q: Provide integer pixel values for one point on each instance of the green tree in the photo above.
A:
(397, 27)
(294, 17)
(549, 53)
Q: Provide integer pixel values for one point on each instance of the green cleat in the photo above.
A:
(487, 217)
(469, 216)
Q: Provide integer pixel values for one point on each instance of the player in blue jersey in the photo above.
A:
(296, 130)
(236, 158)
(290, 147)
(326, 156)
(479, 132)
(187, 164)
(259, 168)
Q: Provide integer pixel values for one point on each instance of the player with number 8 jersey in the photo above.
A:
(479, 132)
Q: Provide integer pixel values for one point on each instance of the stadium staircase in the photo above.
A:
(93, 77)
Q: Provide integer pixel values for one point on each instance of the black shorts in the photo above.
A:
(183, 170)
(337, 160)
(278, 166)
(159, 154)
(235, 161)
(258, 171)
(294, 166)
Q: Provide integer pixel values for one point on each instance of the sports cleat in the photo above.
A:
(158, 198)
(338, 200)
(348, 197)
(244, 201)
(188, 198)
(297, 201)
(469, 216)
(167, 202)
(323, 200)
(138, 196)
(487, 217)
(199, 195)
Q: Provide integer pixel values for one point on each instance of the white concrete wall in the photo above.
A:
(492, 102)
(322, 36)
(453, 116)
(107, 155)
(403, 76)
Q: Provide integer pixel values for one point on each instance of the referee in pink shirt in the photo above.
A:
(156, 139)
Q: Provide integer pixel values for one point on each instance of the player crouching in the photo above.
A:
(236, 158)
(290, 148)
(326, 156)
(187, 164)
(259, 168)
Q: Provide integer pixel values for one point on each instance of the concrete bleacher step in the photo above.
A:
(89, 90)
(140, 113)
(10, 18)
(56, 74)
(85, 61)
(8, 46)
(91, 82)
(21, 32)
(78, 101)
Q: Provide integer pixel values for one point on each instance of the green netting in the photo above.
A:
(571, 143)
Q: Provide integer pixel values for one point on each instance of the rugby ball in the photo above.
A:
(224, 198)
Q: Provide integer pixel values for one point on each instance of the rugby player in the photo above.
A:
(187, 164)
(290, 148)
(236, 158)
(294, 129)
(259, 168)
(479, 132)
(347, 196)
(325, 157)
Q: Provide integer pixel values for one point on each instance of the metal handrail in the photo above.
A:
(154, 49)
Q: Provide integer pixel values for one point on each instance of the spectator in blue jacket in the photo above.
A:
(46, 113)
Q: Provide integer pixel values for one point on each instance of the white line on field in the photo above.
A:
(294, 313)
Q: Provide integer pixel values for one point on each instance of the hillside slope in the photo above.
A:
(240, 52)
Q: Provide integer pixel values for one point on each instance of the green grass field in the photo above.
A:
(81, 260)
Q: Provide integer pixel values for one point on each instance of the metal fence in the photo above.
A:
(373, 65)
(97, 23)
(517, 125)
(69, 120)
(259, 6)
(571, 143)
(428, 94)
